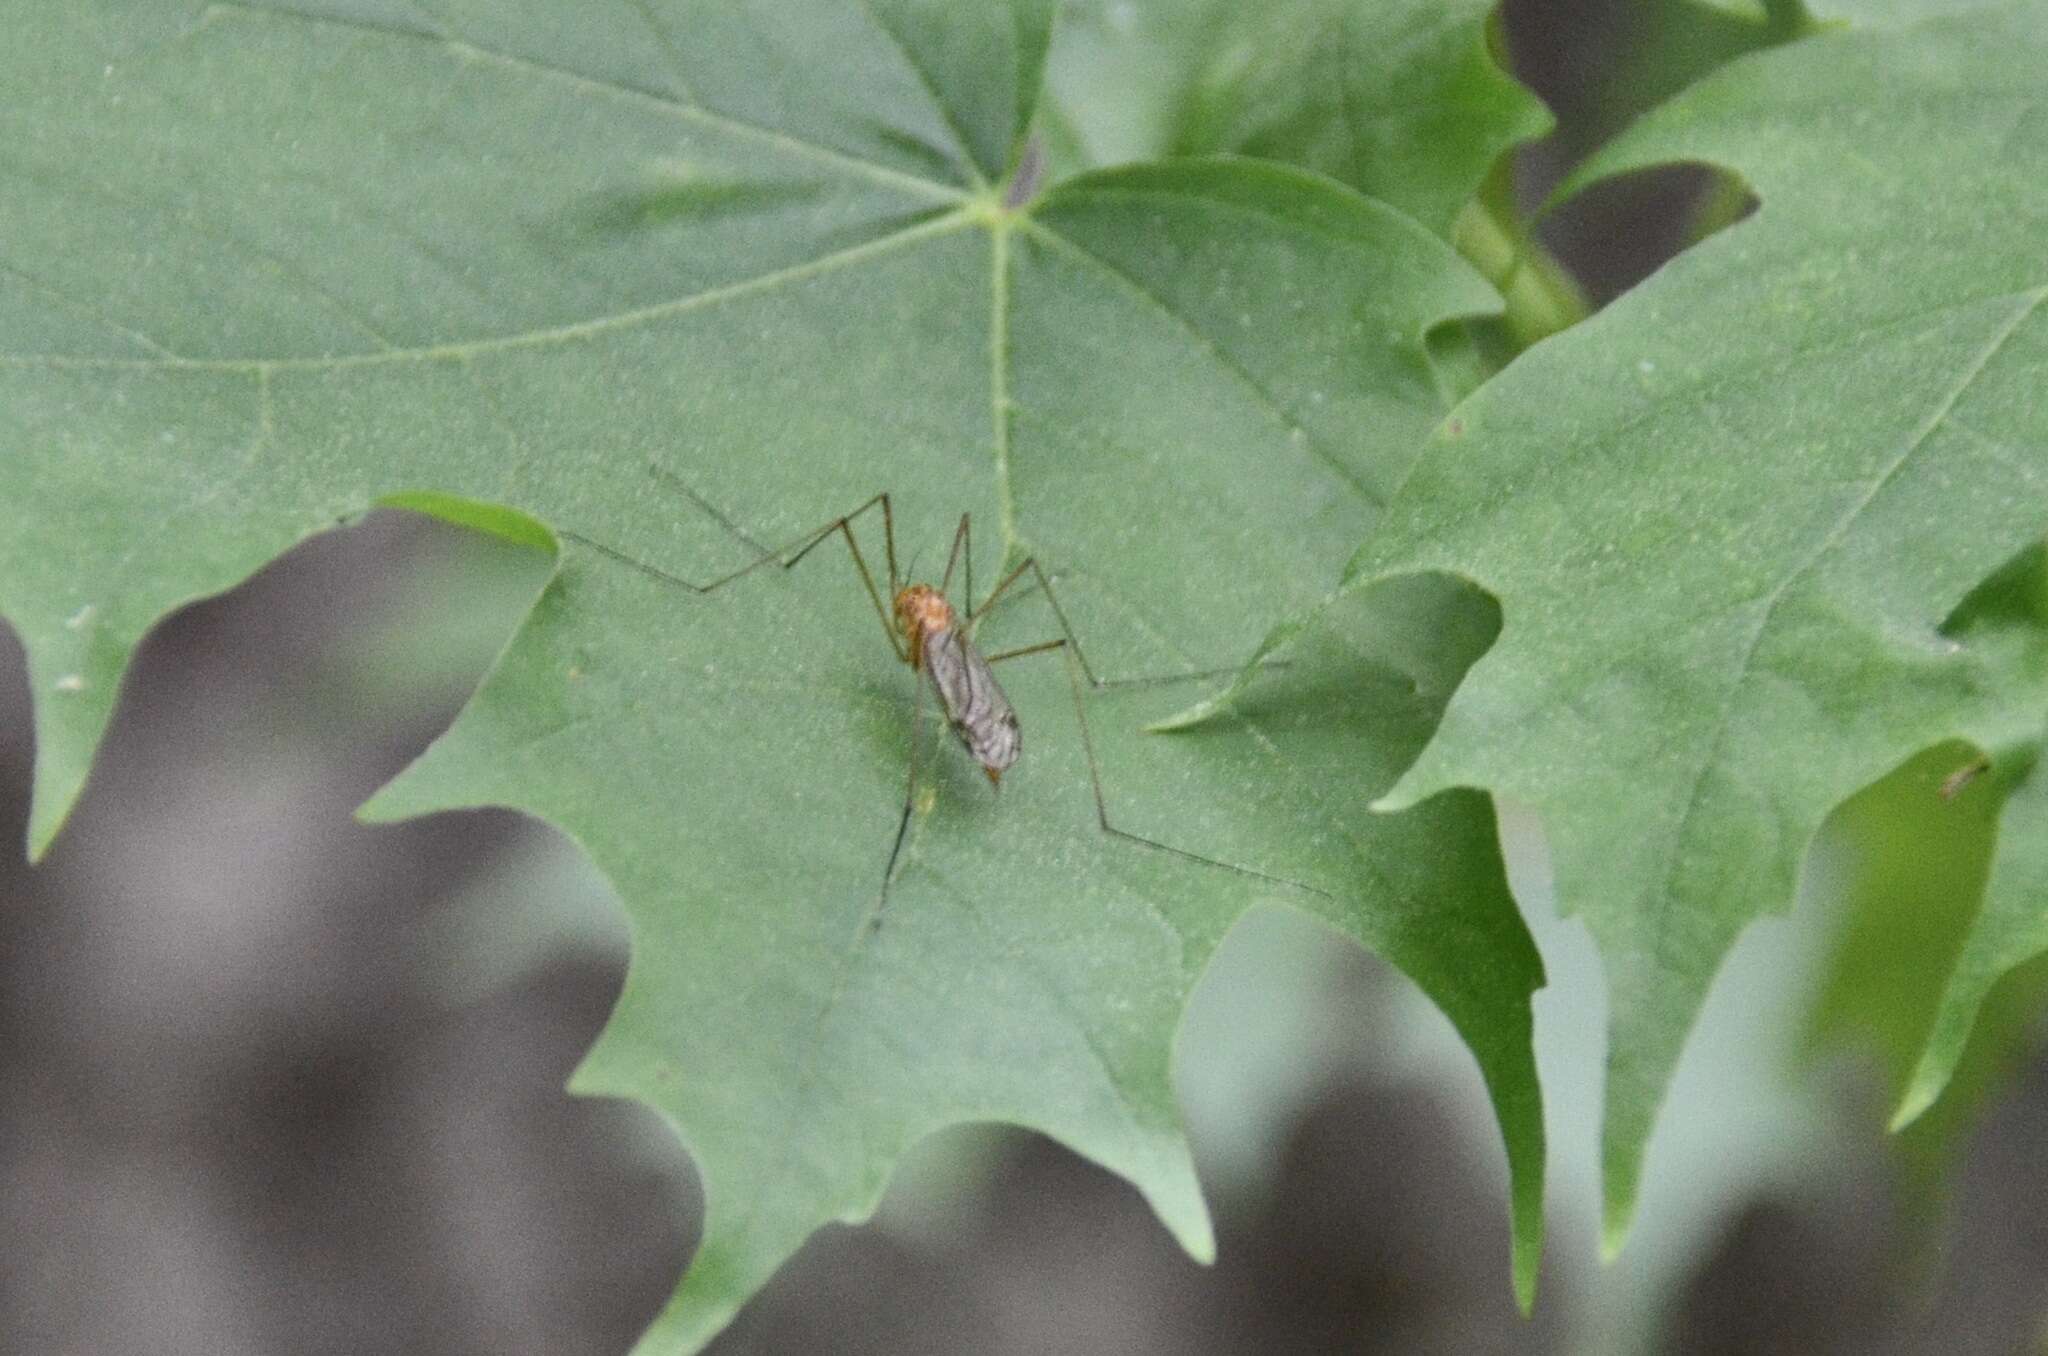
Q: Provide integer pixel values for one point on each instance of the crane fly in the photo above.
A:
(926, 632)
(974, 701)
(937, 643)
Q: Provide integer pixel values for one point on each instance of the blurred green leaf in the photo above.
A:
(1890, 12)
(2009, 932)
(1748, 10)
(1906, 868)
(1932, 867)
(1727, 518)
(1403, 101)
(1648, 52)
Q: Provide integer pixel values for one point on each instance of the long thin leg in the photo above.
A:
(1095, 776)
(682, 487)
(889, 545)
(844, 527)
(1031, 563)
(1099, 684)
(962, 535)
(1040, 648)
(909, 799)
(802, 546)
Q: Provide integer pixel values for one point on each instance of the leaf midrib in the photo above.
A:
(1697, 394)
(692, 110)
(568, 332)
(1934, 421)
(1236, 371)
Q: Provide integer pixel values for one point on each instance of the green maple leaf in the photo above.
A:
(1727, 519)
(1401, 99)
(269, 264)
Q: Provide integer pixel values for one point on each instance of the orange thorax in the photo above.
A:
(922, 610)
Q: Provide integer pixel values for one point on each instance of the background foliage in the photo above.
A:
(680, 284)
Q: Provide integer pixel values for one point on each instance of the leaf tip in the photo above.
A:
(1217, 703)
(1913, 1104)
(520, 528)
(1527, 1261)
(1200, 713)
(1405, 794)
(1197, 1239)
(1618, 1214)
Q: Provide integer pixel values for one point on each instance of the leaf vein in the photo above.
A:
(1242, 376)
(670, 57)
(2031, 301)
(1699, 395)
(999, 382)
(931, 90)
(1023, 957)
(690, 111)
(460, 350)
(85, 310)
(286, 269)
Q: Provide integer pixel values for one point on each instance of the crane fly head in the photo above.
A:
(921, 610)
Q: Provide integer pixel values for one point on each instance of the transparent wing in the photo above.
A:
(975, 705)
